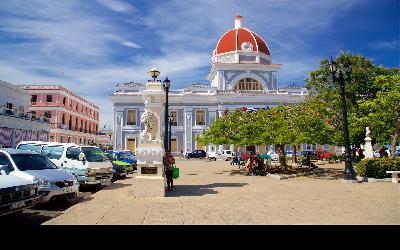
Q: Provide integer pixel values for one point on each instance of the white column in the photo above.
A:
(188, 129)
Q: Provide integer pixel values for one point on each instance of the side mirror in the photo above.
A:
(4, 169)
(81, 157)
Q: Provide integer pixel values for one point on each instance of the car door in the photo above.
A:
(71, 161)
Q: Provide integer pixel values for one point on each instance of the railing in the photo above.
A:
(25, 116)
(66, 127)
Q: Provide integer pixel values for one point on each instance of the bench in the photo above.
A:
(395, 176)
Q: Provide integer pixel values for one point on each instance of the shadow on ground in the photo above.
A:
(41, 213)
(117, 185)
(328, 174)
(199, 190)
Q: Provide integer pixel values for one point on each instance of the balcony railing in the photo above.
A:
(66, 127)
(25, 116)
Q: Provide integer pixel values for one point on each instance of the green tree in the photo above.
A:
(382, 113)
(324, 95)
(282, 125)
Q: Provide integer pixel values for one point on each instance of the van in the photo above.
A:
(88, 163)
(225, 155)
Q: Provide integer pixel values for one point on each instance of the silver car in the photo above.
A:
(53, 183)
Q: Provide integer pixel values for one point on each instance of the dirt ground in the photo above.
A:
(206, 193)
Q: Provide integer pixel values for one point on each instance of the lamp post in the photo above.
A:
(341, 75)
(171, 120)
(166, 85)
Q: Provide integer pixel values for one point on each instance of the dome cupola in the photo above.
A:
(242, 40)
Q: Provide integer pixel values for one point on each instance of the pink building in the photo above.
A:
(73, 119)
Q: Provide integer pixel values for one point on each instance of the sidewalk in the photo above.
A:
(205, 193)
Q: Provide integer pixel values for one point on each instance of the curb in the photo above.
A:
(361, 179)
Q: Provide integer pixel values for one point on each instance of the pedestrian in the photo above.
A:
(181, 153)
(360, 153)
(382, 152)
(168, 162)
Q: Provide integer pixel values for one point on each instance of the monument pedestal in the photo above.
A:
(149, 181)
(369, 153)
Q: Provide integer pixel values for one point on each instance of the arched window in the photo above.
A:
(248, 84)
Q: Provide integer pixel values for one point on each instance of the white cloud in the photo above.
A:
(385, 45)
(116, 5)
(77, 39)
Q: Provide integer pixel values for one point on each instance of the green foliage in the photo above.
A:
(382, 113)
(377, 167)
(325, 99)
(280, 125)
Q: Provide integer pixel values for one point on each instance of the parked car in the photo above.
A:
(289, 153)
(88, 163)
(131, 155)
(120, 168)
(197, 154)
(35, 146)
(311, 154)
(16, 193)
(119, 172)
(225, 155)
(123, 156)
(246, 155)
(53, 183)
(323, 154)
(274, 156)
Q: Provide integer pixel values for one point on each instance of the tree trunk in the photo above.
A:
(282, 157)
(395, 141)
(294, 153)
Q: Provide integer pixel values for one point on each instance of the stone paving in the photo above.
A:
(205, 193)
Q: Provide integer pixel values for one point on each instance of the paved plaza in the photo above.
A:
(206, 193)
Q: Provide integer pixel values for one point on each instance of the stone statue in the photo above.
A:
(150, 121)
(368, 132)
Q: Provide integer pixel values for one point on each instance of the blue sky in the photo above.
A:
(98, 43)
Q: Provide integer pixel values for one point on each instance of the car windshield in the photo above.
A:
(31, 147)
(32, 162)
(53, 152)
(228, 151)
(128, 155)
(94, 154)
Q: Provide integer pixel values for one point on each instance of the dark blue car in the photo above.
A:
(125, 157)
(197, 154)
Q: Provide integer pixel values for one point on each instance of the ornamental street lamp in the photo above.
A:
(171, 121)
(166, 85)
(154, 73)
(341, 75)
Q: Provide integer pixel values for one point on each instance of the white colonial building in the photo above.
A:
(242, 75)
(16, 124)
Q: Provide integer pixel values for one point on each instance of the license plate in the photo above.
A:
(67, 189)
(18, 205)
(105, 181)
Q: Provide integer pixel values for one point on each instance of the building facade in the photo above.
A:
(242, 75)
(73, 118)
(16, 123)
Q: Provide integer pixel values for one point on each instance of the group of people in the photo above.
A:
(255, 166)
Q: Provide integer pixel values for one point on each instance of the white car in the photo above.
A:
(16, 193)
(225, 155)
(274, 156)
(87, 163)
(53, 183)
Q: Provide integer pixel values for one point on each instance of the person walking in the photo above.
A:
(182, 153)
(168, 162)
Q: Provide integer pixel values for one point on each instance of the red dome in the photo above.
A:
(232, 41)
